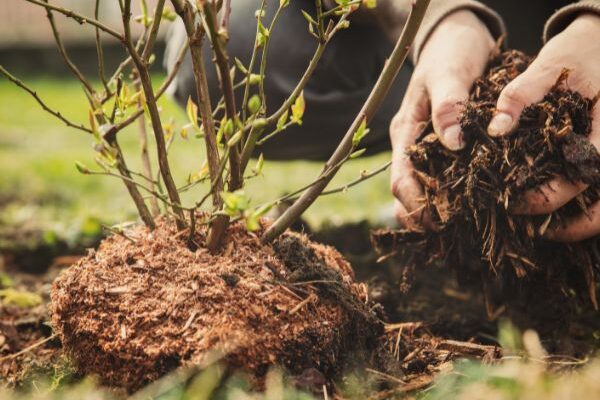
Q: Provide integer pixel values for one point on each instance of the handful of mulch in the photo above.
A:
(469, 193)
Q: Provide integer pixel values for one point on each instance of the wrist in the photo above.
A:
(467, 23)
(588, 22)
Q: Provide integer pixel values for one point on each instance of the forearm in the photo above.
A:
(390, 16)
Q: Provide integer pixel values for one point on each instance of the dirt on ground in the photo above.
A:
(470, 194)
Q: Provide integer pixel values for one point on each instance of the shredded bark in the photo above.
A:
(132, 311)
(469, 194)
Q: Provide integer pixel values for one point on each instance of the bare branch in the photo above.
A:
(154, 30)
(222, 61)
(157, 127)
(344, 149)
(63, 52)
(195, 35)
(37, 98)
(79, 18)
(100, 51)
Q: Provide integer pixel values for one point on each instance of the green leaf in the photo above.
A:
(260, 163)
(298, 109)
(357, 153)
(308, 18)
(369, 3)
(240, 66)
(192, 112)
(144, 7)
(20, 298)
(284, 3)
(254, 79)
(168, 14)
(253, 220)
(228, 129)
(360, 133)
(282, 120)
(82, 168)
(254, 104)
(235, 138)
(235, 202)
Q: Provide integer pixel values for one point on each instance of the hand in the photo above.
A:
(578, 49)
(454, 56)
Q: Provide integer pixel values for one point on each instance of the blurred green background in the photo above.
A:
(40, 182)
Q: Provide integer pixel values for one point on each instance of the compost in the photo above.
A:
(145, 303)
(469, 195)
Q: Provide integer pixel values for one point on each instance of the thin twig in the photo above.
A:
(63, 52)
(37, 98)
(154, 30)
(344, 149)
(157, 127)
(28, 348)
(79, 18)
(222, 62)
(100, 51)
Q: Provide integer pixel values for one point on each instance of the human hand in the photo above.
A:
(578, 49)
(455, 54)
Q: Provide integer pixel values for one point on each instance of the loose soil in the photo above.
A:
(469, 195)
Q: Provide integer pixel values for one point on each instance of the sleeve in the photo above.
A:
(564, 16)
(439, 9)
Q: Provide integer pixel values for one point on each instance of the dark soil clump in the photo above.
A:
(130, 312)
(469, 195)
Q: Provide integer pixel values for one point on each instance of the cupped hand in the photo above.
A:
(577, 48)
(455, 54)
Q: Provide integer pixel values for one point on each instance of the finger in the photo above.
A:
(528, 88)
(579, 228)
(559, 191)
(548, 197)
(404, 217)
(447, 103)
(404, 131)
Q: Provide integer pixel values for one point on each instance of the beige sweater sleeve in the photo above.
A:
(566, 15)
(439, 9)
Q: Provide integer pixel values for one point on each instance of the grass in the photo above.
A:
(38, 155)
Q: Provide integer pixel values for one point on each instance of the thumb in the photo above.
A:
(528, 88)
(447, 98)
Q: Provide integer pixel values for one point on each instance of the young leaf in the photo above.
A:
(369, 3)
(360, 133)
(93, 124)
(259, 164)
(145, 21)
(284, 3)
(253, 220)
(81, 167)
(240, 66)
(254, 79)
(235, 202)
(298, 109)
(308, 18)
(228, 128)
(254, 104)
(192, 112)
(282, 120)
(234, 139)
(357, 153)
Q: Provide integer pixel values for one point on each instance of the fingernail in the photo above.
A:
(453, 137)
(500, 124)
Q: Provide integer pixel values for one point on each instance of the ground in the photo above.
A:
(49, 213)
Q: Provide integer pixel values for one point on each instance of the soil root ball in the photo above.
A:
(132, 311)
